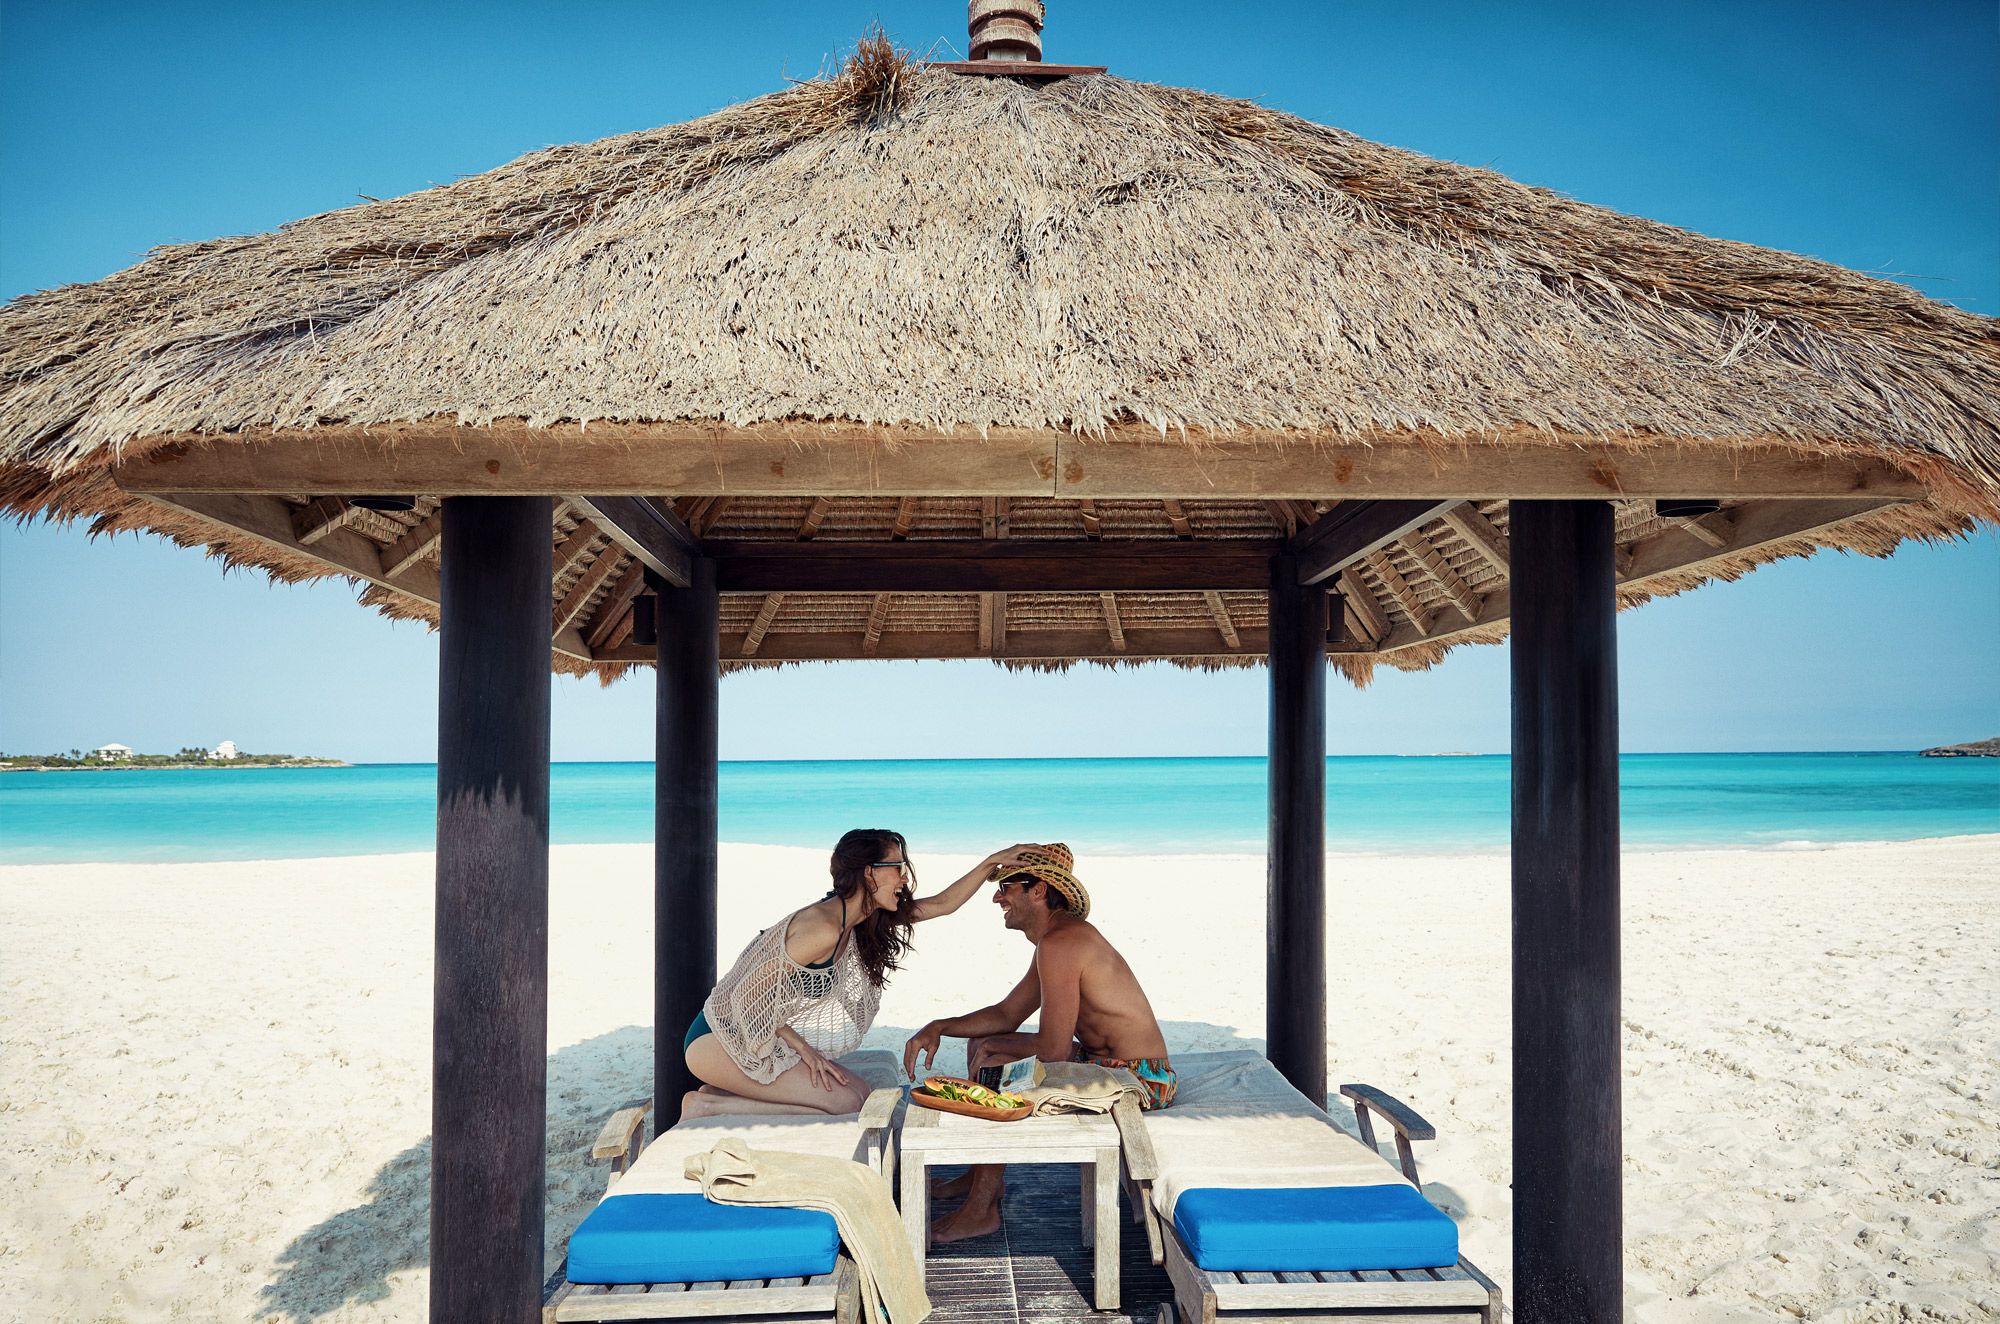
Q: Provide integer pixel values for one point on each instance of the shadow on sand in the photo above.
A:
(353, 1258)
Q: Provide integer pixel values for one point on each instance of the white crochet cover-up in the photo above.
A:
(766, 989)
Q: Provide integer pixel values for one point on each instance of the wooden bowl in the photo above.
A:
(922, 1096)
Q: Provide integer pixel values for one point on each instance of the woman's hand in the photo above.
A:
(1002, 860)
(826, 1074)
(982, 873)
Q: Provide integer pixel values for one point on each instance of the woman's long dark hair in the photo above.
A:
(884, 936)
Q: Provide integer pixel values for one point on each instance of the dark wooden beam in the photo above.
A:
(1353, 529)
(1568, 1193)
(490, 1028)
(1295, 925)
(684, 826)
(988, 566)
(646, 527)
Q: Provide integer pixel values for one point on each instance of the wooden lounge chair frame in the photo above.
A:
(834, 1297)
(1215, 1296)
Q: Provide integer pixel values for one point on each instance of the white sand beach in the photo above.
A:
(214, 1077)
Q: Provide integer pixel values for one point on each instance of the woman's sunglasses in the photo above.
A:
(900, 866)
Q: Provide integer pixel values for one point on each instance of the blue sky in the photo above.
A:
(1867, 135)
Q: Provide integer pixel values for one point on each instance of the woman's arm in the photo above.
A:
(945, 902)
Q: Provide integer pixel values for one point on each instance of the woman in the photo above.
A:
(806, 990)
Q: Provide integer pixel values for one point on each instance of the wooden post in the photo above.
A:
(1568, 1200)
(1295, 924)
(684, 790)
(490, 1042)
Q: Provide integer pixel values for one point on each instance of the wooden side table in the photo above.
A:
(933, 1139)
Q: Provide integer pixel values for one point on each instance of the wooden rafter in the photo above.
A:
(1398, 588)
(816, 512)
(571, 550)
(1341, 537)
(993, 525)
(413, 546)
(650, 530)
(906, 517)
(1283, 516)
(993, 621)
(1125, 461)
(702, 513)
(617, 605)
(766, 613)
(320, 518)
(1439, 571)
(1219, 611)
(607, 563)
(1675, 551)
(1714, 528)
(878, 616)
(1177, 517)
(1479, 533)
(1361, 601)
(1112, 625)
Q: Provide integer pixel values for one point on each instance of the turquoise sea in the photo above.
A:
(1103, 806)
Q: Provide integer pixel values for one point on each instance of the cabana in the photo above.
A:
(1015, 361)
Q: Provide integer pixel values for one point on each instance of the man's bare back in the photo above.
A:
(1113, 1016)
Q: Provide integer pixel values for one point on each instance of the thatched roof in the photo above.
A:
(905, 246)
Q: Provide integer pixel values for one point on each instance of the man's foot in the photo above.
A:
(954, 1188)
(965, 1222)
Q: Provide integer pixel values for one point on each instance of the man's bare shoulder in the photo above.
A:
(1076, 939)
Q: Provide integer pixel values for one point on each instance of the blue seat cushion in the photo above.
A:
(1298, 1230)
(686, 1239)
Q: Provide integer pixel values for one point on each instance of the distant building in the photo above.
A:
(113, 752)
(225, 750)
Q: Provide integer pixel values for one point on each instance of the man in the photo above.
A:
(1092, 1010)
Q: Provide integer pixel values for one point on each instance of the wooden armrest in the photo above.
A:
(1394, 1111)
(880, 1108)
(1138, 1143)
(617, 1139)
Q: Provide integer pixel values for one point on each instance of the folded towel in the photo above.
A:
(856, 1196)
(1081, 1087)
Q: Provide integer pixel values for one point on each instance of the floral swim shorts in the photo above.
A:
(1156, 1076)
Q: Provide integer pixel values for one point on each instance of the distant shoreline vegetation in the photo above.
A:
(78, 760)
(1971, 749)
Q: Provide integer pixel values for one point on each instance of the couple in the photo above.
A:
(806, 990)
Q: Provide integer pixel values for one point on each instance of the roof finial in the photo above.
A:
(1005, 29)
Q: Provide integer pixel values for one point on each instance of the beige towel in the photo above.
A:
(1081, 1087)
(856, 1196)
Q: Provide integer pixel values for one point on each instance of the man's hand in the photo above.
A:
(989, 1055)
(924, 1041)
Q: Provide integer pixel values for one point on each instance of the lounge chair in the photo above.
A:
(1262, 1209)
(655, 1248)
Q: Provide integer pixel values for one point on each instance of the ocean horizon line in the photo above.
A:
(1128, 806)
(1176, 758)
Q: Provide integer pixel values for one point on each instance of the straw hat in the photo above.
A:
(1051, 864)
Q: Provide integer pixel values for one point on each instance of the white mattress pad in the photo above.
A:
(1237, 1123)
